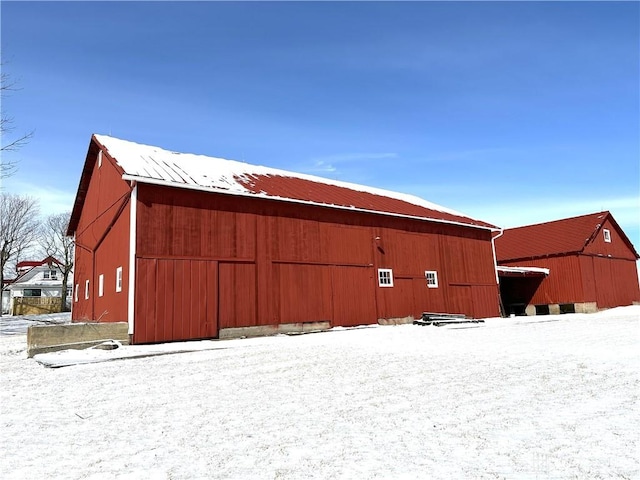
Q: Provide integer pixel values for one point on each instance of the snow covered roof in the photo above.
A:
(149, 164)
(522, 271)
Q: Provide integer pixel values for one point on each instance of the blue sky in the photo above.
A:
(511, 112)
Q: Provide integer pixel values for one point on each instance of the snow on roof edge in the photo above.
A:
(165, 183)
(155, 163)
(502, 268)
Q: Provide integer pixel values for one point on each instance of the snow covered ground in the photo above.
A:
(552, 397)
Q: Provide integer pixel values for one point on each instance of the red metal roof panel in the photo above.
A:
(569, 235)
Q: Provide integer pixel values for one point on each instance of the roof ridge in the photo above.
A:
(152, 164)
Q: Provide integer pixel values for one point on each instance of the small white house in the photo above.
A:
(36, 279)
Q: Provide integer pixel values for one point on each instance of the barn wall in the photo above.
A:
(102, 244)
(564, 283)
(111, 254)
(617, 248)
(610, 282)
(284, 263)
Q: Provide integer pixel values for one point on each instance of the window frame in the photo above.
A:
(86, 289)
(101, 285)
(119, 279)
(606, 233)
(50, 274)
(385, 277)
(75, 292)
(431, 274)
(30, 290)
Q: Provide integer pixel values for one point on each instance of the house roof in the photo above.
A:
(560, 237)
(29, 268)
(154, 165)
(37, 263)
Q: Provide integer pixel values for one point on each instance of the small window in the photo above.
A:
(385, 277)
(50, 275)
(75, 293)
(119, 279)
(607, 235)
(432, 278)
(99, 158)
(32, 292)
(101, 285)
(86, 290)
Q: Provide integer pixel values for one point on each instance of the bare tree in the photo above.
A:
(56, 244)
(8, 167)
(19, 227)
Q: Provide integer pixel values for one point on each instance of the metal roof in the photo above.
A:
(148, 164)
(566, 236)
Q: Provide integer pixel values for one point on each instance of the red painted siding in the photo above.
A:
(102, 243)
(584, 278)
(617, 248)
(564, 283)
(610, 282)
(175, 300)
(238, 295)
(286, 263)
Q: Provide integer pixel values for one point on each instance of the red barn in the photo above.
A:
(185, 246)
(591, 265)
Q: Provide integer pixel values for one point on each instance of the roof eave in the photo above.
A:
(85, 178)
(164, 183)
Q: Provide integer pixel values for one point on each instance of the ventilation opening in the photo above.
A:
(567, 308)
(542, 309)
(517, 309)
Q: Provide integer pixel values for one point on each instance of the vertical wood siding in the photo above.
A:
(564, 283)
(617, 248)
(102, 244)
(238, 296)
(175, 300)
(282, 263)
(609, 282)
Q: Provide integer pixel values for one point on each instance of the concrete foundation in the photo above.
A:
(51, 338)
(587, 307)
(395, 321)
(265, 330)
(554, 308)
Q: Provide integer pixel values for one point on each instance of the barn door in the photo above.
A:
(461, 300)
(176, 299)
(354, 301)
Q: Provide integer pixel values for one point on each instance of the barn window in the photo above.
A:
(75, 293)
(432, 278)
(119, 279)
(607, 235)
(86, 290)
(99, 158)
(101, 285)
(385, 277)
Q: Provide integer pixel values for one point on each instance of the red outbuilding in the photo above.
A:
(185, 246)
(579, 264)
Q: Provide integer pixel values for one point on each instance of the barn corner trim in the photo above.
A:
(132, 256)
